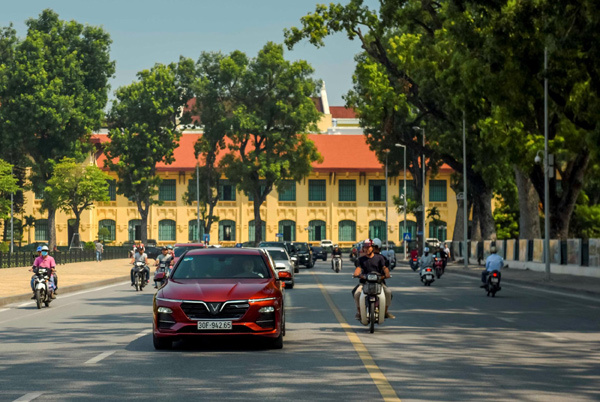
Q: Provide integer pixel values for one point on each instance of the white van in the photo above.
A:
(326, 244)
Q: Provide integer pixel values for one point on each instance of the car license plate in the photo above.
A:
(428, 277)
(214, 325)
(495, 280)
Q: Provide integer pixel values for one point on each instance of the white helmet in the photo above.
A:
(44, 248)
(426, 249)
(377, 243)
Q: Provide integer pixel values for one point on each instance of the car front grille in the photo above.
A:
(215, 311)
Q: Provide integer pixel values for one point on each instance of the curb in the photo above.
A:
(64, 290)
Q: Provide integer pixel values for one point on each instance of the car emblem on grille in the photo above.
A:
(214, 308)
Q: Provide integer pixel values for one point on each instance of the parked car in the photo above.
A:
(433, 243)
(153, 251)
(180, 248)
(319, 253)
(289, 247)
(283, 265)
(220, 292)
(151, 243)
(305, 256)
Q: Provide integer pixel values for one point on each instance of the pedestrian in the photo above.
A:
(99, 250)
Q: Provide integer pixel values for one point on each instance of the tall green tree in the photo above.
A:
(75, 187)
(143, 121)
(272, 113)
(53, 90)
(8, 184)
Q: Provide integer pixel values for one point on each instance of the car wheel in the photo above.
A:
(290, 285)
(161, 343)
(296, 270)
(276, 343)
(311, 263)
(325, 258)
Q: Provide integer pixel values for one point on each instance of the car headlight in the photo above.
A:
(267, 309)
(164, 310)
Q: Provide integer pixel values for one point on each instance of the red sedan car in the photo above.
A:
(220, 291)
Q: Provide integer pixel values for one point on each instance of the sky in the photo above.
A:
(160, 31)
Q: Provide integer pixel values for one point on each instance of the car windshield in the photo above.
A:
(278, 255)
(221, 266)
(301, 246)
(182, 249)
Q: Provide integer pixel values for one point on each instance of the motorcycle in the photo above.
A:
(438, 266)
(427, 276)
(414, 263)
(162, 267)
(492, 284)
(43, 287)
(372, 301)
(336, 263)
(295, 264)
(139, 275)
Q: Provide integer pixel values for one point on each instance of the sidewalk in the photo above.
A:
(579, 284)
(73, 277)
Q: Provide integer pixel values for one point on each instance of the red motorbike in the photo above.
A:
(438, 265)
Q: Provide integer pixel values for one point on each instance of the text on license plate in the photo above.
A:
(495, 280)
(214, 325)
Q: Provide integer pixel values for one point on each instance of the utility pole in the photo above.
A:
(465, 198)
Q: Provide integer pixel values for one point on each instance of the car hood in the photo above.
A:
(216, 289)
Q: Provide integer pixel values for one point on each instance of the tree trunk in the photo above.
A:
(529, 202)
(459, 233)
(486, 218)
(144, 214)
(52, 227)
(475, 227)
(77, 222)
(257, 221)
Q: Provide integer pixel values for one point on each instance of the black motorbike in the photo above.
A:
(414, 263)
(139, 275)
(162, 267)
(492, 284)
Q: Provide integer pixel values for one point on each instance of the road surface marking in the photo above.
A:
(25, 304)
(4, 309)
(143, 333)
(385, 389)
(551, 335)
(506, 319)
(100, 357)
(29, 397)
(92, 290)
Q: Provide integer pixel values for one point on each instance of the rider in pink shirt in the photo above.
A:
(44, 261)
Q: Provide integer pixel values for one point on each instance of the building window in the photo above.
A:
(227, 230)
(287, 190)
(193, 234)
(437, 190)
(411, 189)
(347, 231)
(347, 190)
(317, 190)
(167, 190)
(438, 231)
(287, 229)
(252, 230)
(377, 230)
(166, 230)
(226, 191)
(41, 230)
(112, 229)
(262, 189)
(112, 190)
(316, 230)
(411, 227)
(134, 229)
(191, 189)
(376, 190)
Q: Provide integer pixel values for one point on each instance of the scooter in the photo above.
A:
(372, 301)
(438, 266)
(427, 276)
(139, 275)
(43, 287)
(492, 285)
(336, 263)
(414, 264)
(162, 267)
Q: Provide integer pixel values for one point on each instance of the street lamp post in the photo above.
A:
(546, 172)
(423, 189)
(198, 202)
(404, 196)
(387, 152)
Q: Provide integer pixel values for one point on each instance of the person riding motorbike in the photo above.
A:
(165, 258)
(44, 261)
(445, 254)
(371, 262)
(335, 253)
(140, 256)
(377, 246)
(426, 259)
(493, 263)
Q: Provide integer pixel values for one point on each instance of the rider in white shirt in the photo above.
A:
(493, 263)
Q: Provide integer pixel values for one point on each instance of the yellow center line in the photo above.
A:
(385, 389)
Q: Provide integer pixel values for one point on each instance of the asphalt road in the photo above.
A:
(448, 342)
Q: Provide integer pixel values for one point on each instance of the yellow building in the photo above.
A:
(343, 199)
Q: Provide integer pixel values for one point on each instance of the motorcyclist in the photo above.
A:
(377, 246)
(445, 253)
(371, 262)
(426, 259)
(44, 261)
(140, 256)
(165, 258)
(336, 252)
(493, 263)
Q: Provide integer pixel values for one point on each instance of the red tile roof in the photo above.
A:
(341, 153)
(341, 112)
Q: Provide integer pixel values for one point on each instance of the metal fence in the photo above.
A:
(26, 258)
